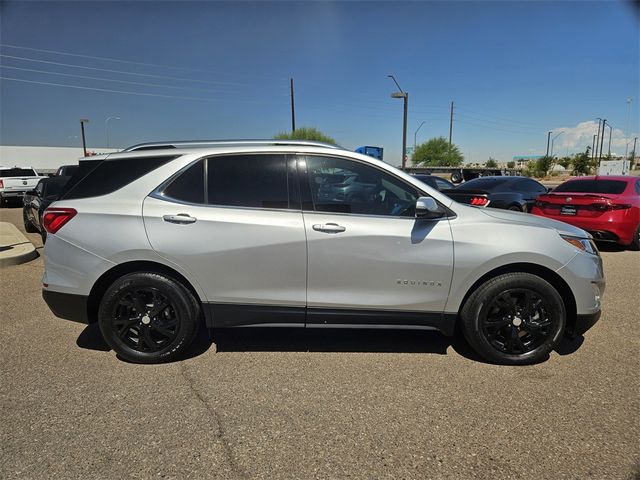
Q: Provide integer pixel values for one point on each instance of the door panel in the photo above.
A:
(249, 256)
(379, 263)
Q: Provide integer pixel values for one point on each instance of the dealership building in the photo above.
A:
(42, 158)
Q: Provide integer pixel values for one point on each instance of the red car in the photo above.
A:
(607, 207)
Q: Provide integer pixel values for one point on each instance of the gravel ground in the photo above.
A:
(318, 404)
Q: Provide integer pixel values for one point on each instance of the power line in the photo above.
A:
(483, 114)
(502, 124)
(493, 128)
(102, 79)
(111, 59)
(123, 91)
(123, 72)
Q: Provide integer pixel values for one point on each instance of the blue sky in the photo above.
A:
(221, 70)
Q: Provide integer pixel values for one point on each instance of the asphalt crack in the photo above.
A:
(220, 432)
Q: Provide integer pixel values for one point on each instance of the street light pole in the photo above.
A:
(415, 135)
(106, 127)
(553, 141)
(598, 139)
(593, 146)
(604, 124)
(548, 140)
(405, 96)
(84, 143)
(610, 132)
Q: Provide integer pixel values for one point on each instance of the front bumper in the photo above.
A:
(67, 306)
(583, 323)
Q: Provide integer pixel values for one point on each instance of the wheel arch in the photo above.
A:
(543, 272)
(108, 277)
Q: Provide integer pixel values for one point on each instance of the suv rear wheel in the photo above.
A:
(514, 319)
(148, 317)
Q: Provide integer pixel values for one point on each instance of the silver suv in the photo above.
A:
(155, 240)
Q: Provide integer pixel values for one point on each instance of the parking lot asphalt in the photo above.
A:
(315, 404)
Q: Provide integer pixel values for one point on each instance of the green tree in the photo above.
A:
(491, 163)
(511, 164)
(437, 152)
(565, 162)
(542, 166)
(306, 133)
(582, 163)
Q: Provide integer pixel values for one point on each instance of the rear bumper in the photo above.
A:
(13, 193)
(67, 306)
(584, 323)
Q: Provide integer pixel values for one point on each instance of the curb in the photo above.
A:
(14, 246)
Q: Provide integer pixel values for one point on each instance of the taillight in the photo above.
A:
(55, 218)
(479, 201)
(1, 183)
(603, 207)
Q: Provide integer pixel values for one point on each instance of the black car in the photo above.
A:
(37, 200)
(434, 181)
(508, 193)
(66, 170)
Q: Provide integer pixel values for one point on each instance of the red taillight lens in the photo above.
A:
(55, 218)
(1, 184)
(479, 201)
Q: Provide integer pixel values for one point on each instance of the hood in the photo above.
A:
(535, 220)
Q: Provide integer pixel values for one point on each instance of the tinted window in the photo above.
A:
(613, 187)
(111, 175)
(17, 172)
(189, 185)
(443, 184)
(344, 186)
(527, 185)
(53, 186)
(488, 183)
(248, 181)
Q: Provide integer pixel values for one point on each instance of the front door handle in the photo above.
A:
(181, 218)
(329, 228)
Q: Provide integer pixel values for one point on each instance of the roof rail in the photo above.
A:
(226, 143)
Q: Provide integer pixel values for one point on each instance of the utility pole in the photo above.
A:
(84, 143)
(633, 152)
(604, 123)
(610, 132)
(626, 133)
(293, 108)
(450, 125)
(593, 146)
(548, 140)
(598, 139)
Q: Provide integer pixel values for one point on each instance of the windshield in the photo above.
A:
(614, 187)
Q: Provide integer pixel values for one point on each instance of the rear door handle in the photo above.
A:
(181, 218)
(329, 228)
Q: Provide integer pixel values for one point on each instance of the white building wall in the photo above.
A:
(43, 158)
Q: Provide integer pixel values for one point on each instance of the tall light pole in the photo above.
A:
(415, 136)
(604, 124)
(548, 140)
(610, 132)
(633, 152)
(84, 142)
(552, 142)
(598, 139)
(626, 133)
(593, 146)
(404, 95)
(106, 127)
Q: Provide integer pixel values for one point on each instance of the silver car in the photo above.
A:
(155, 240)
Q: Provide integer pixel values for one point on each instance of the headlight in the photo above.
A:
(584, 244)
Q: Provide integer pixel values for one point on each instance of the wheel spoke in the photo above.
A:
(125, 324)
(158, 308)
(165, 332)
(497, 323)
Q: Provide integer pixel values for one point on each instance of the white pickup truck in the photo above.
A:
(15, 181)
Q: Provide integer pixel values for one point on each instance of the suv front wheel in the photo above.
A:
(148, 317)
(514, 319)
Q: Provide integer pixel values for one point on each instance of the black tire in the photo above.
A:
(635, 243)
(148, 317)
(494, 319)
(3, 201)
(28, 226)
(43, 235)
(456, 177)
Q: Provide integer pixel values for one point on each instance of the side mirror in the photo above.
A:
(428, 208)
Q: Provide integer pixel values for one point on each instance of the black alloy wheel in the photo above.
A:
(148, 317)
(517, 321)
(514, 319)
(144, 319)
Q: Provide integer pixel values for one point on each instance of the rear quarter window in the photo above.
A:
(111, 175)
